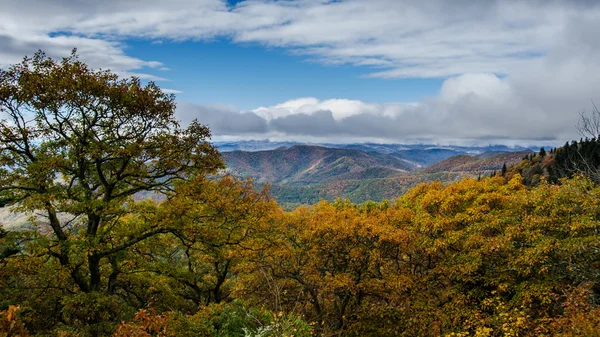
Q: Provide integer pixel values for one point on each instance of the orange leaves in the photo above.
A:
(487, 258)
(579, 318)
(338, 255)
(10, 324)
(146, 323)
(462, 246)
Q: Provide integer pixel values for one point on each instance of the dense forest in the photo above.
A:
(516, 254)
(574, 158)
(303, 175)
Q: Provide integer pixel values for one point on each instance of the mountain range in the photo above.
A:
(261, 145)
(305, 164)
(304, 174)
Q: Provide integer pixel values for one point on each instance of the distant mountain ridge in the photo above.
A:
(306, 173)
(484, 162)
(426, 157)
(313, 164)
(261, 145)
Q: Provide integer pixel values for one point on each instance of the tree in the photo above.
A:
(542, 152)
(585, 159)
(77, 144)
(7, 246)
(589, 124)
(337, 263)
(219, 220)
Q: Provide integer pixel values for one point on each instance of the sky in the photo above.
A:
(393, 71)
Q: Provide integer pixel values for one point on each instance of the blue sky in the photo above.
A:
(250, 75)
(442, 71)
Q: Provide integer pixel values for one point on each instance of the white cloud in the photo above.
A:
(430, 38)
(473, 108)
(340, 108)
(514, 69)
(97, 53)
(486, 86)
(171, 91)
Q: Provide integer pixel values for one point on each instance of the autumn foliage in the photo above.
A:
(483, 258)
(145, 238)
(471, 258)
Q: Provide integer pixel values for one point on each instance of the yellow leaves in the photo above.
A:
(515, 183)
(472, 258)
(487, 251)
(341, 281)
(512, 321)
(483, 332)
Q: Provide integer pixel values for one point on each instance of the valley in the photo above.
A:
(304, 174)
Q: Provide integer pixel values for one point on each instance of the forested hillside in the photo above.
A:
(425, 157)
(304, 164)
(357, 191)
(487, 258)
(507, 255)
(304, 174)
(481, 165)
(574, 158)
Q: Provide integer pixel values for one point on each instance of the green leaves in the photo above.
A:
(81, 143)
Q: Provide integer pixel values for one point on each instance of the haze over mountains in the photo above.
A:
(258, 145)
(311, 164)
(304, 174)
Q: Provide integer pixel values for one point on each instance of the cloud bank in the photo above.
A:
(475, 108)
(513, 69)
(429, 38)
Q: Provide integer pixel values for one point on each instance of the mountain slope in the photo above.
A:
(451, 164)
(303, 174)
(466, 163)
(310, 164)
(357, 191)
(360, 190)
(425, 157)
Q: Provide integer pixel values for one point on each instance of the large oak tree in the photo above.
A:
(77, 144)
